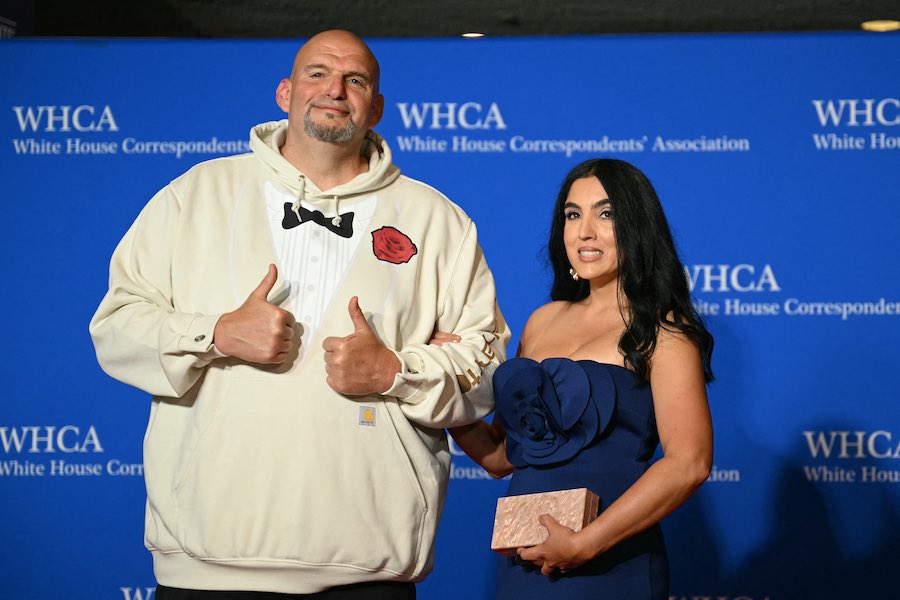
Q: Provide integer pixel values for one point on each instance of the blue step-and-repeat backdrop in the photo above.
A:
(777, 159)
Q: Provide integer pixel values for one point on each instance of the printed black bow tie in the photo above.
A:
(343, 229)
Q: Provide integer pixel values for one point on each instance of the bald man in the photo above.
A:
(277, 306)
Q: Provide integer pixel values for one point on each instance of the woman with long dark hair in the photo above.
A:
(614, 366)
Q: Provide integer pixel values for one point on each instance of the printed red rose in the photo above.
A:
(393, 246)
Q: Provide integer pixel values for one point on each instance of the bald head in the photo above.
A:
(341, 43)
(332, 94)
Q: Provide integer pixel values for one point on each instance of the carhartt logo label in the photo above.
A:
(367, 416)
(65, 118)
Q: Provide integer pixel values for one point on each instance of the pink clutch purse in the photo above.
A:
(516, 522)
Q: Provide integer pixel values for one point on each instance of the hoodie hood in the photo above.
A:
(266, 140)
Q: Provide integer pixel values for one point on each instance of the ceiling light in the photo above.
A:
(881, 25)
(473, 34)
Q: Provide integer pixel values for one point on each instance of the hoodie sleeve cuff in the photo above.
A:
(198, 339)
(408, 381)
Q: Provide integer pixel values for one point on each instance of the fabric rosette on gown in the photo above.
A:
(555, 408)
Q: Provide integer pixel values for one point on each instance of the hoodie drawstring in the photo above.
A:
(295, 206)
(336, 221)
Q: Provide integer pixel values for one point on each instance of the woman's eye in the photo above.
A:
(606, 214)
(570, 216)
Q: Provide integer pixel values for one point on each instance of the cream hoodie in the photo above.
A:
(263, 478)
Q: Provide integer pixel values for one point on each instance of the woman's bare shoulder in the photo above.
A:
(547, 313)
(540, 319)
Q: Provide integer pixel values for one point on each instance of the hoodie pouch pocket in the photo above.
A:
(284, 476)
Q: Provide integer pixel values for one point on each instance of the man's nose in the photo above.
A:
(336, 88)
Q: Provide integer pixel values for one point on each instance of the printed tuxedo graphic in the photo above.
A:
(313, 258)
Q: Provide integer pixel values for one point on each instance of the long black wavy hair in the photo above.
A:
(651, 275)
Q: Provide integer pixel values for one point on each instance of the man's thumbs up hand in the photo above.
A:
(360, 325)
(359, 363)
(257, 332)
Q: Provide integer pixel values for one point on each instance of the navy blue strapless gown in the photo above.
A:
(574, 424)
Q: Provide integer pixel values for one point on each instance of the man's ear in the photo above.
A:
(377, 110)
(283, 95)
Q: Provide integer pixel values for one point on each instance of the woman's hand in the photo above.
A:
(439, 338)
(561, 550)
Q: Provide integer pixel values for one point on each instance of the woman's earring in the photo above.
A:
(574, 274)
